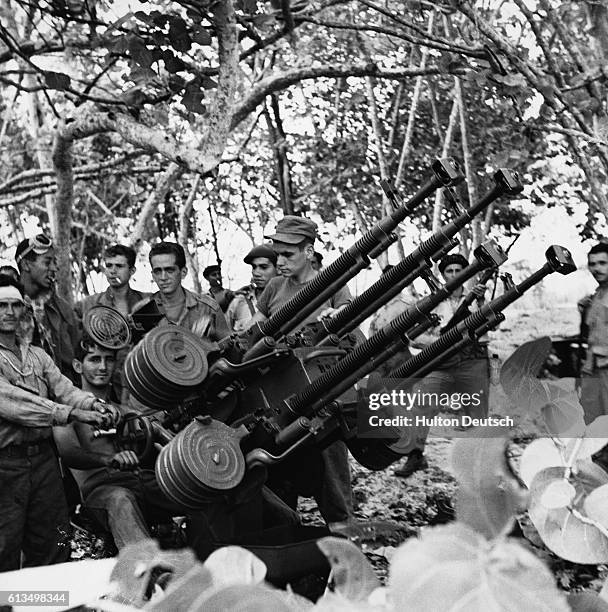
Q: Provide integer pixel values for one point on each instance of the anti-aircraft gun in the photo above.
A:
(291, 390)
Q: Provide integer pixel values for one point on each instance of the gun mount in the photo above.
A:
(293, 391)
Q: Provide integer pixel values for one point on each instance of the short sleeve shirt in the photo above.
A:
(280, 290)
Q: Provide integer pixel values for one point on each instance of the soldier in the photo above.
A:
(49, 321)
(594, 312)
(112, 486)
(198, 313)
(467, 372)
(293, 243)
(33, 511)
(263, 261)
(213, 275)
(119, 267)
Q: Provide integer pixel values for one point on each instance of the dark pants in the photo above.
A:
(324, 475)
(594, 394)
(33, 511)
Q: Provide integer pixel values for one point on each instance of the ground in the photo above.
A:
(399, 509)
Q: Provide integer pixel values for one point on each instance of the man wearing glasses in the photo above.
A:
(49, 321)
(33, 510)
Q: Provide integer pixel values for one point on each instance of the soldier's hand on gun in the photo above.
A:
(124, 460)
(584, 303)
(479, 290)
(330, 312)
(110, 413)
(92, 417)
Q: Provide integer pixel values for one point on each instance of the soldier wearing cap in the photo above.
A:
(293, 243)
(263, 262)
(465, 373)
(213, 275)
(49, 321)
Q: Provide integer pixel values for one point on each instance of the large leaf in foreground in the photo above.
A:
(455, 568)
(567, 530)
(489, 495)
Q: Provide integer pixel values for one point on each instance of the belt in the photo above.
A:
(24, 450)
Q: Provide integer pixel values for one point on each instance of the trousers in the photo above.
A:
(33, 511)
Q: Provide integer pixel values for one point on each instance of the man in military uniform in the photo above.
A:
(263, 262)
(49, 320)
(293, 243)
(198, 313)
(33, 511)
(213, 275)
(119, 267)
(594, 311)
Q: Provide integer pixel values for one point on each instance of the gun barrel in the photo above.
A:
(408, 269)
(327, 386)
(337, 274)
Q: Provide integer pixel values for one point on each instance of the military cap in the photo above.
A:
(210, 269)
(455, 258)
(261, 250)
(293, 230)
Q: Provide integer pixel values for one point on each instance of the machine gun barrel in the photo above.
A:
(341, 376)
(559, 260)
(337, 274)
(408, 269)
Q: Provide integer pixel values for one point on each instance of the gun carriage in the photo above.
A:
(264, 397)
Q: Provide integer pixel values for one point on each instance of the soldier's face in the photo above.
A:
(117, 271)
(42, 269)
(292, 260)
(167, 276)
(262, 270)
(10, 313)
(452, 271)
(98, 366)
(598, 266)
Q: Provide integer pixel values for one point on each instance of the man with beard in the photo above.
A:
(48, 320)
(263, 261)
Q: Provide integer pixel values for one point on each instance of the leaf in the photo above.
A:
(558, 494)
(560, 529)
(178, 33)
(489, 495)
(140, 52)
(524, 362)
(352, 573)
(242, 598)
(183, 591)
(563, 414)
(172, 63)
(454, 568)
(587, 602)
(202, 37)
(596, 505)
(193, 98)
(511, 80)
(235, 565)
(56, 80)
(539, 455)
(136, 562)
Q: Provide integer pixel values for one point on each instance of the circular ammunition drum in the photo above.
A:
(201, 462)
(166, 366)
